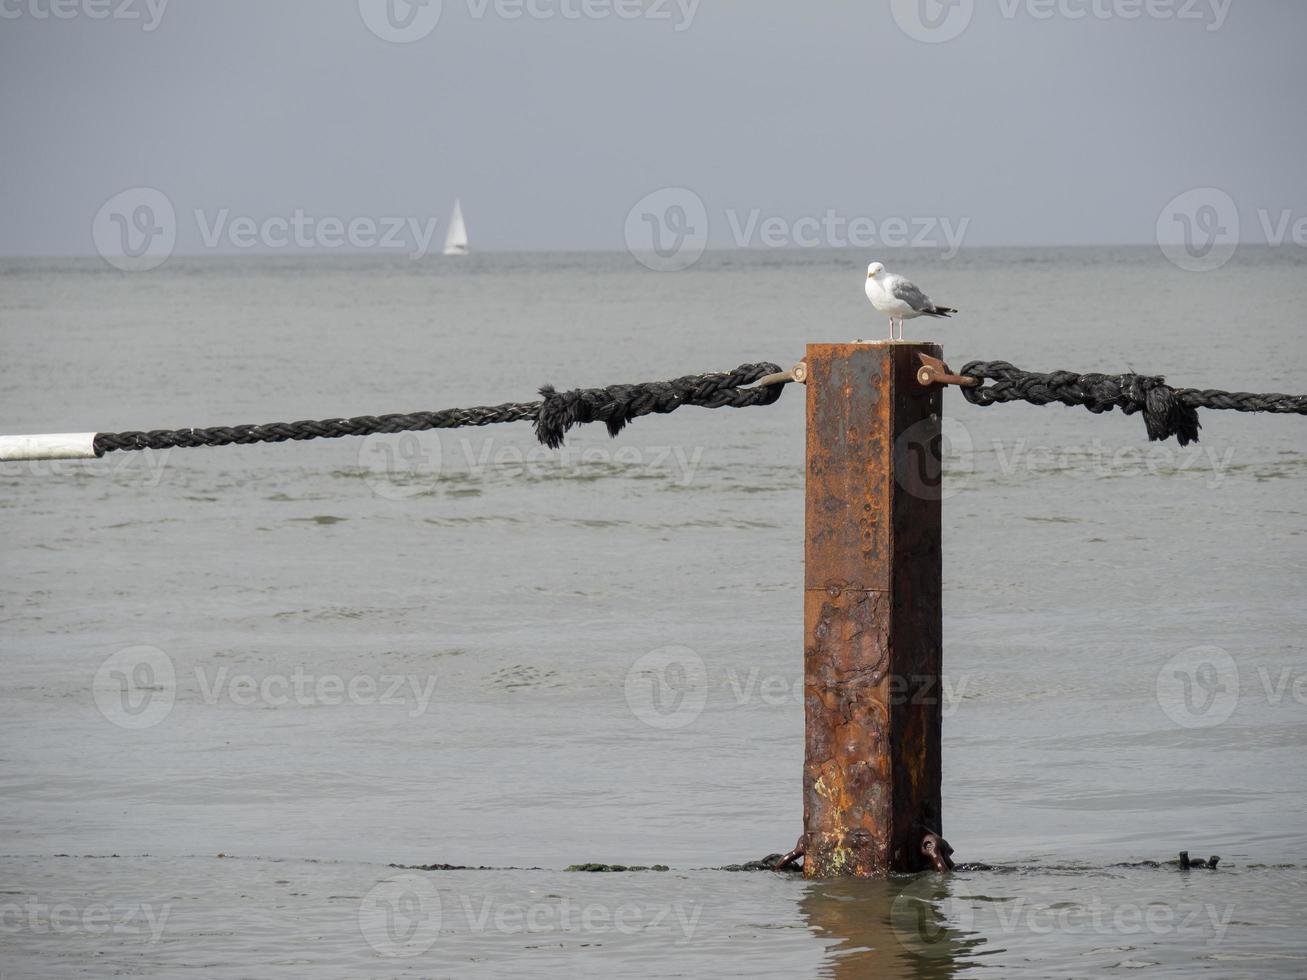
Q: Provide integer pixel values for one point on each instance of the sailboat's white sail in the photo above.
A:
(456, 241)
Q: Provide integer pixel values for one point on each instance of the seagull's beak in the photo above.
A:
(871, 275)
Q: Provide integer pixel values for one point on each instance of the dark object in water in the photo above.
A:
(939, 851)
(800, 848)
(1210, 863)
(769, 863)
(444, 867)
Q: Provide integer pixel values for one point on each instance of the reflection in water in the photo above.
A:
(902, 926)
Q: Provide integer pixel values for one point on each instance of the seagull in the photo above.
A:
(890, 293)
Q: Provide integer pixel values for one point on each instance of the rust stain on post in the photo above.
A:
(872, 658)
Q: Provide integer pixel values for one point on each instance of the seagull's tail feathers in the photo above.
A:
(943, 311)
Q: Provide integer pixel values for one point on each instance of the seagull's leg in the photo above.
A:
(891, 328)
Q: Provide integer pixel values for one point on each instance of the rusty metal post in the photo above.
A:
(872, 611)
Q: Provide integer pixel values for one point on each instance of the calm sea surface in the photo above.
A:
(236, 685)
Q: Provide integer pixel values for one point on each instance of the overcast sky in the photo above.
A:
(1034, 121)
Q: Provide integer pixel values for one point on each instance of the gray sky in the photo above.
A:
(1041, 122)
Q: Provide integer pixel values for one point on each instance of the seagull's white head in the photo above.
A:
(874, 270)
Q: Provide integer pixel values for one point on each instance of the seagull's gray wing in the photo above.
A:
(906, 291)
(903, 290)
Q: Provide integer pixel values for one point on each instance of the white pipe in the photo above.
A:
(56, 445)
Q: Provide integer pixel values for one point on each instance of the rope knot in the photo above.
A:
(617, 405)
(561, 410)
(1165, 413)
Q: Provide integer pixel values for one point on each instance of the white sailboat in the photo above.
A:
(456, 241)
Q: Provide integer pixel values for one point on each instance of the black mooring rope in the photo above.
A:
(554, 415)
(617, 405)
(1167, 411)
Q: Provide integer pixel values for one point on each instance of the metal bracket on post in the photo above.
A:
(872, 612)
(933, 371)
(797, 374)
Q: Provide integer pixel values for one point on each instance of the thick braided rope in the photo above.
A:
(1167, 411)
(617, 405)
(1243, 401)
(554, 415)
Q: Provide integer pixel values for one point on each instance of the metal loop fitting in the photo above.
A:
(933, 371)
(797, 374)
